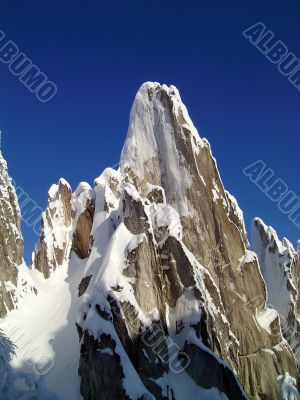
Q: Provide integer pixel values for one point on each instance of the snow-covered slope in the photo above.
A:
(43, 329)
(144, 285)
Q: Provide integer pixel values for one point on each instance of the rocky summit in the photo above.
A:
(144, 285)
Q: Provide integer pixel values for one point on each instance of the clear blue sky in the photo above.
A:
(99, 54)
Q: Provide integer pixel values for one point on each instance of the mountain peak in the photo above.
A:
(162, 141)
(158, 117)
(152, 266)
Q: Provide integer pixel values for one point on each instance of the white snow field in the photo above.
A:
(44, 332)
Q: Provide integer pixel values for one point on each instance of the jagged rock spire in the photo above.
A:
(11, 241)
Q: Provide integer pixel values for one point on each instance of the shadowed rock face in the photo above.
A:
(104, 380)
(11, 242)
(54, 245)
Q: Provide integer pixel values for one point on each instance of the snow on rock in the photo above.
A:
(135, 242)
(109, 176)
(81, 197)
(248, 258)
(265, 318)
(237, 213)
(287, 387)
(216, 193)
(280, 266)
(165, 222)
(82, 187)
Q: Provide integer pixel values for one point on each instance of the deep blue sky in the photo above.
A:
(99, 54)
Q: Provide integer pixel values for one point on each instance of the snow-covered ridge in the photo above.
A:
(280, 266)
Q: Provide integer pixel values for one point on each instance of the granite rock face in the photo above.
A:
(83, 211)
(11, 241)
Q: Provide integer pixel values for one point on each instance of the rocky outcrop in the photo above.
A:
(11, 241)
(54, 246)
(169, 261)
(105, 379)
(66, 225)
(280, 266)
(83, 222)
